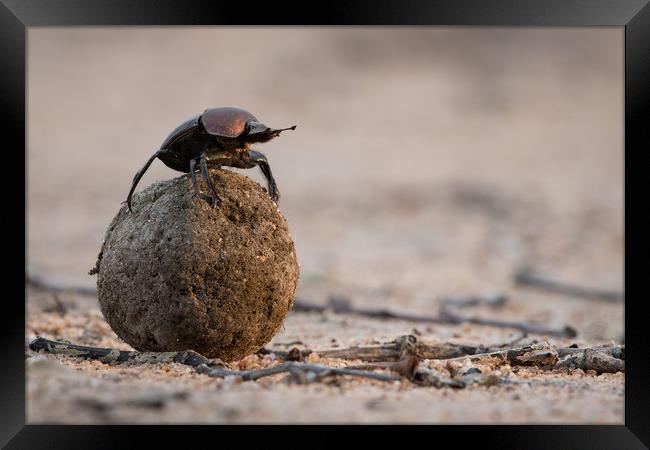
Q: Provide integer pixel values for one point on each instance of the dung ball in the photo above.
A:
(178, 274)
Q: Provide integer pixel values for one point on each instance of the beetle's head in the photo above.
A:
(258, 132)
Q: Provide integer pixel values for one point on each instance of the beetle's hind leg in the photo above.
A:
(263, 163)
(138, 176)
(206, 175)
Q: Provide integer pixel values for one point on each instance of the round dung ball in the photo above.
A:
(178, 274)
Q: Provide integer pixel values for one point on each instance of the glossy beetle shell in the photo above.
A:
(227, 121)
(183, 130)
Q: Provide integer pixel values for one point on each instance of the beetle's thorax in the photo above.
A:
(235, 156)
(230, 145)
(219, 152)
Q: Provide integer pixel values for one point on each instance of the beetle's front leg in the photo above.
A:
(263, 163)
(193, 174)
(204, 171)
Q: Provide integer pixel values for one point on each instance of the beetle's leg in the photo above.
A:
(206, 175)
(263, 163)
(193, 174)
(136, 178)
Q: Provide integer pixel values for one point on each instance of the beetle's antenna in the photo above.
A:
(284, 129)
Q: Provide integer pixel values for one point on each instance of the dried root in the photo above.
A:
(109, 355)
(592, 359)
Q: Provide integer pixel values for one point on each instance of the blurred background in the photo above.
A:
(427, 161)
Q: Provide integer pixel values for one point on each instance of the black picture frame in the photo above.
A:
(17, 15)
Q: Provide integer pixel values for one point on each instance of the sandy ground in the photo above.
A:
(427, 162)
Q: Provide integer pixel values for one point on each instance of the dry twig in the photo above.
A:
(406, 367)
(39, 283)
(399, 348)
(107, 355)
(389, 351)
(615, 351)
(446, 316)
(526, 278)
(301, 371)
(540, 354)
(566, 331)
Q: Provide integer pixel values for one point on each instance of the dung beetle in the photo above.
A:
(217, 137)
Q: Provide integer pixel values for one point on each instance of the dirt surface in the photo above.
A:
(427, 162)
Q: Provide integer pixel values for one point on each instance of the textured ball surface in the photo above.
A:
(177, 274)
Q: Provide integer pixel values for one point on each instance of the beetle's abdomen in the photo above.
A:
(175, 161)
(184, 130)
(185, 143)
